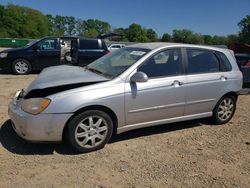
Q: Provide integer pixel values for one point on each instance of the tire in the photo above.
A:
(90, 130)
(21, 66)
(224, 110)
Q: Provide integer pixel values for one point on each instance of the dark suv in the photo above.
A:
(51, 51)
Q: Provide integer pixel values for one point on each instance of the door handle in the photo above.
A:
(177, 83)
(223, 78)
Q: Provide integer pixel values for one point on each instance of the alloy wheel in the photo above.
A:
(21, 67)
(226, 109)
(91, 131)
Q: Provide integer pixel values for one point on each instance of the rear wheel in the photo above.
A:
(224, 110)
(90, 130)
(21, 66)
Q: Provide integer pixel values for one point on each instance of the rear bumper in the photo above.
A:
(37, 128)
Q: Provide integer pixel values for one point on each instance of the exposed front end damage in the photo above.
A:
(44, 126)
(53, 90)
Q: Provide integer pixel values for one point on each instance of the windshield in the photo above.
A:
(117, 62)
(30, 43)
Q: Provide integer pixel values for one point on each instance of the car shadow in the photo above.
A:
(6, 72)
(159, 129)
(14, 144)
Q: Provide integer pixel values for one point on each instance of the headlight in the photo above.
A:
(35, 105)
(3, 55)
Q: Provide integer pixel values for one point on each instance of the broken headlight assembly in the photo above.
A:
(35, 105)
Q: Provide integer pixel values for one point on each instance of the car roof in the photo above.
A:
(156, 45)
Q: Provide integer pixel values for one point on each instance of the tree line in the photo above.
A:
(23, 22)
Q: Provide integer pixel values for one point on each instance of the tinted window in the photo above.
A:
(116, 46)
(202, 61)
(165, 63)
(89, 44)
(48, 44)
(225, 65)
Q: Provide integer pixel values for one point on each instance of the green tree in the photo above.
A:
(122, 32)
(166, 37)
(244, 25)
(22, 22)
(3, 32)
(232, 38)
(181, 35)
(187, 36)
(135, 33)
(208, 39)
(60, 25)
(219, 40)
(151, 35)
(92, 28)
(70, 25)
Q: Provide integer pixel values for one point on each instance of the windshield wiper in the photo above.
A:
(94, 70)
(98, 72)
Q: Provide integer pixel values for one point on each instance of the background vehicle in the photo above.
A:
(243, 61)
(134, 87)
(113, 47)
(51, 51)
(242, 55)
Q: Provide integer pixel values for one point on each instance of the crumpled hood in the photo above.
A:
(63, 75)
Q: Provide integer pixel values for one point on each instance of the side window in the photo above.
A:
(225, 65)
(48, 44)
(115, 46)
(165, 63)
(202, 61)
(87, 44)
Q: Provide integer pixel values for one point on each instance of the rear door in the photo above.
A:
(206, 77)
(90, 50)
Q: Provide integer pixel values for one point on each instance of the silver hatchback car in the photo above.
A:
(137, 86)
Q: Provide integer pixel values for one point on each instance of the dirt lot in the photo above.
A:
(188, 154)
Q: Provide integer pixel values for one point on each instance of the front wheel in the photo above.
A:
(21, 66)
(90, 130)
(224, 109)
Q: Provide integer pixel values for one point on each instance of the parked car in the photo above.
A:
(242, 55)
(113, 47)
(134, 87)
(51, 51)
(243, 61)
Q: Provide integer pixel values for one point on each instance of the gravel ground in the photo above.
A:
(188, 154)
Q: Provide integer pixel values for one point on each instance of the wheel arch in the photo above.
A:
(232, 93)
(105, 109)
(13, 60)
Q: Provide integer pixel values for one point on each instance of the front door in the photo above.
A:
(46, 53)
(163, 95)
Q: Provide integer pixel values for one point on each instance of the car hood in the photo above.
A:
(61, 78)
(13, 50)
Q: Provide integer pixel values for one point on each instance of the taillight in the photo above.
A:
(247, 64)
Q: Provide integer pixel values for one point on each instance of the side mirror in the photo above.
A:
(139, 77)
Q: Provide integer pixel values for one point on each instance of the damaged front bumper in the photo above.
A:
(36, 128)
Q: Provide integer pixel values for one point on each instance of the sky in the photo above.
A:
(213, 17)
